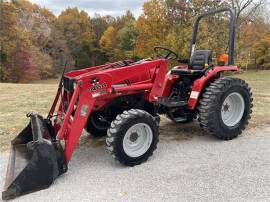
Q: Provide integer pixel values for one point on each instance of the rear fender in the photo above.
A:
(200, 84)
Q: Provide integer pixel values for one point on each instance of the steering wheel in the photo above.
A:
(170, 54)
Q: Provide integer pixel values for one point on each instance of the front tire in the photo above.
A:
(225, 108)
(132, 137)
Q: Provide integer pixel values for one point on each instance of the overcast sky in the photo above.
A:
(103, 7)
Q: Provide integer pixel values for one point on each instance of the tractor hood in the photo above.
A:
(119, 72)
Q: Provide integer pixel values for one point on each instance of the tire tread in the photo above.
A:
(209, 101)
(113, 134)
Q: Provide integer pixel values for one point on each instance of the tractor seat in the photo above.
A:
(197, 64)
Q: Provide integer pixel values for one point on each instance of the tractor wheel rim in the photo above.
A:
(137, 140)
(232, 109)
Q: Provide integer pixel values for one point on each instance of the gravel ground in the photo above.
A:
(198, 169)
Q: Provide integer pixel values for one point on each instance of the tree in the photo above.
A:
(261, 52)
(121, 21)
(57, 48)
(152, 26)
(38, 23)
(16, 61)
(108, 44)
(247, 9)
(26, 69)
(77, 29)
(20, 66)
(118, 40)
(36, 44)
(108, 39)
(127, 36)
(25, 33)
(8, 16)
(212, 31)
(100, 24)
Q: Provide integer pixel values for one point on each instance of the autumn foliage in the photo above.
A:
(35, 44)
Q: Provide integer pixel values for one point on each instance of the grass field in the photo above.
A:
(18, 99)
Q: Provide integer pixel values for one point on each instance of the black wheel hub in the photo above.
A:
(226, 107)
(134, 137)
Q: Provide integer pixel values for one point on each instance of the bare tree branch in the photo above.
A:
(249, 6)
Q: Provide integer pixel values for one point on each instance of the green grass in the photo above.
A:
(18, 99)
(260, 84)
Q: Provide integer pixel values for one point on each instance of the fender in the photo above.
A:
(201, 83)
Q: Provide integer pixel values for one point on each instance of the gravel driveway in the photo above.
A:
(198, 169)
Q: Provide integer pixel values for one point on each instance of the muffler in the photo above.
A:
(36, 159)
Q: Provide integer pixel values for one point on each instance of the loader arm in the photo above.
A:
(79, 109)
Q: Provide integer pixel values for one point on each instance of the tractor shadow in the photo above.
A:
(170, 131)
(89, 141)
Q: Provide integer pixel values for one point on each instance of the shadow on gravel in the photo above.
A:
(87, 141)
(170, 131)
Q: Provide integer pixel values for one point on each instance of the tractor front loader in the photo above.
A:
(37, 157)
(123, 100)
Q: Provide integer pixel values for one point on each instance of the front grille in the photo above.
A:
(68, 85)
(67, 91)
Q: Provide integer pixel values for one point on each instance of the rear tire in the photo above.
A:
(225, 108)
(132, 137)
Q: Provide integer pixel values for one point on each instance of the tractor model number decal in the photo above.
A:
(97, 86)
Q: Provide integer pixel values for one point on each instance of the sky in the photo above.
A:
(103, 7)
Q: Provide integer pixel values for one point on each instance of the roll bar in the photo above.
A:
(231, 35)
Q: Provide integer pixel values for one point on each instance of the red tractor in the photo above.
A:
(123, 100)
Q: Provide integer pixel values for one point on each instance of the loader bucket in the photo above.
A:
(36, 159)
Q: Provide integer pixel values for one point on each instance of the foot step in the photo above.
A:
(171, 103)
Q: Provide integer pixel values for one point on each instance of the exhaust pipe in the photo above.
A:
(36, 159)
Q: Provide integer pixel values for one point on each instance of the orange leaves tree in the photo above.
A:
(153, 27)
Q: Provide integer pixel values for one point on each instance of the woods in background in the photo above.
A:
(35, 44)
